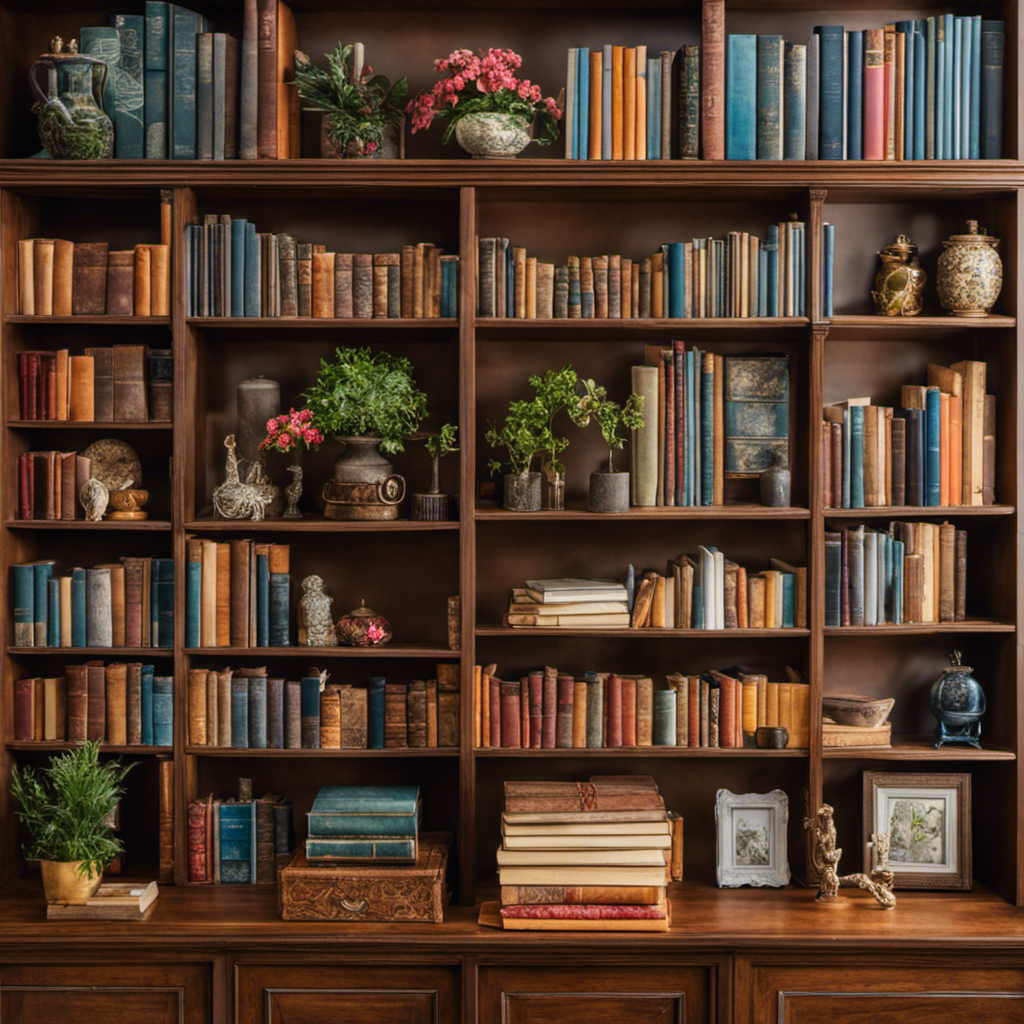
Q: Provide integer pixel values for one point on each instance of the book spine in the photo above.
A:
(185, 26)
(395, 715)
(831, 96)
(163, 711)
(855, 96)
(258, 712)
(614, 698)
(991, 113)
(741, 98)
(794, 119)
(129, 88)
(565, 695)
(146, 704)
(768, 130)
(510, 725)
(240, 712)
(310, 712)
(375, 713)
(293, 714)
(275, 713)
(713, 80)
(155, 79)
(933, 448)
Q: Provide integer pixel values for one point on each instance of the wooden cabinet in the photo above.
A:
(612, 994)
(105, 991)
(345, 991)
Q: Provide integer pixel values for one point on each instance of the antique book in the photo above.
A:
(293, 714)
(133, 734)
(120, 300)
(362, 285)
(117, 704)
(103, 383)
(580, 918)
(165, 771)
(310, 710)
(416, 714)
(330, 718)
(353, 705)
(552, 797)
(533, 895)
(362, 849)
(96, 720)
(365, 810)
(128, 363)
(81, 389)
(113, 901)
(395, 715)
(275, 65)
(78, 703)
(448, 705)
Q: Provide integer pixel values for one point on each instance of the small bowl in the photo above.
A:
(851, 709)
(771, 737)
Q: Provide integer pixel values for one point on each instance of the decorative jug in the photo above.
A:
(72, 124)
(970, 273)
(364, 485)
(899, 286)
(958, 702)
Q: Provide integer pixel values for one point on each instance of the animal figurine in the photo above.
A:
(234, 499)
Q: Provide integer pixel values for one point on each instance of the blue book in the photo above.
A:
(966, 47)
(375, 713)
(193, 598)
(855, 95)
(129, 88)
(771, 247)
(813, 87)
(53, 613)
(653, 108)
(262, 601)
(236, 847)
(239, 712)
(187, 246)
(42, 573)
(581, 138)
(309, 705)
(920, 94)
(940, 86)
(770, 61)
(829, 253)
(846, 459)
(163, 602)
(155, 79)
(974, 118)
(897, 582)
(992, 45)
(606, 102)
(676, 276)
(23, 593)
(78, 608)
(163, 711)
(275, 713)
(801, 269)
(185, 26)
(947, 78)
(342, 850)
(238, 247)
(933, 454)
(856, 456)
(830, 92)
(707, 438)
(741, 97)
(931, 87)
(889, 574)
(958, 35)
(698, 607)
(251, 283)
(365, 811)
(279, 609)
(257, 712)
(906, 28)
(762, 281)
(146, 704)
(788, 600)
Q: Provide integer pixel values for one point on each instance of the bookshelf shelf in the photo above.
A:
(486, 514)
(642, 634)
(334, 752)
(889, 324)
(911, 511)
(638, 752)
(332, 323)
(317, 524)
(105, 321)
(586, 324)
(924, 628)
(918, 748)
(80, 425)
(151, 525)
(138, 653)
(308, 653)
(44, 746)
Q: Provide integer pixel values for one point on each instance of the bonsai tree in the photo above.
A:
(359, 394)
(358, 106)
(556, 390)
(65, 808)
(608, 415)
(439, 445)
(524, 435)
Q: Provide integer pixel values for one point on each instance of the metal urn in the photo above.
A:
(958, 702)
(899, 285)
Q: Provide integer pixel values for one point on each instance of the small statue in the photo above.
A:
(236, 500)
(94, 497)
(825, 857)
(293, 492)
(316, 625)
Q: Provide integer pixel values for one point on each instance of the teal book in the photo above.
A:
(279, 609)
(794, 102)
(193, 595)
(770, 60)
(993, 38)
(958, 25)
(275, 713)
(846, 459)
(933, 449)
(146, 704)
(365, 811)
(897, 582)
(788, 600)
(947, 79)
(653, 108)
(855, 95)
(606, 102)
(78, 608)
(103, 43)
(762, 281)
(236, 847)
(262, 601)
(42, 573)
(930, 86)
(361, 849)
(258, 712)
(239, 712)
(309, 706)
(966, 47)
(974, 116)
(920, 91)
(239, 230)
(698, 607)
(940, 86)
(375, 713)
(163, 711)
(581, 140)
(831, 89)
(707, 437)
(829, 248)
(155, 79)
(252, 271)
(23, 592)
(889, 578)
(163, 602)
(129, 89)
(756, 393)
(771, 247)
(53, 613)
(204, 96)
(856, 456)
(677, 278)
(906, 29)
(185, 26)
(741, 97)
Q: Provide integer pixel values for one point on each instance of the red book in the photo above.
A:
(133, 571)
(494, 697)
(524, 712)
(712, 80)
(197, 842)
(511, 728)
(26, 486)
(51, 387)
(837, 465)
(563, 719)
(693, 706)
(96, 723)
(613, 698)
(24, 708)
(549, 709)
(586, 911)
(536, 699)
(78, 703)
(31, 410)
(23, 390)
(874, 94)
(628, 712)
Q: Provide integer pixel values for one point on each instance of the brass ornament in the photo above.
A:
(825, 857)
(899, 285)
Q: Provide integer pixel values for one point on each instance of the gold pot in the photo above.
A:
(62, 882)
(128, 505)
(899, 286)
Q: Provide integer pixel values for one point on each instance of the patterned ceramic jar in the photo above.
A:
(970, 273)
(363, 627)
(492, 135)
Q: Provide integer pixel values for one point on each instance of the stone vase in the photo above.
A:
(493, 136)
(609, 492)
(522, 492)
(364, 484)
(63, 884)
(776, 482)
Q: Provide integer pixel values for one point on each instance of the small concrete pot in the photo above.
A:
(521, 492)
(609, 492)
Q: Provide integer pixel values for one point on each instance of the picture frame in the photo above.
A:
(928, 817)
(752, 830)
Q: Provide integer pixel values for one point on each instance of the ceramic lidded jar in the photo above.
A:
(899, 285)
(363, 627)
(970, 273)
(957, 702)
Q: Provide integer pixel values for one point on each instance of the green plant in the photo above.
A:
(359, 394)
(608, 415)
(439, 444)
(65, 807)
(556, 390)
(524, 435)
(359, 106)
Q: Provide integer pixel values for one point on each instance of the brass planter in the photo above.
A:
(63, 884)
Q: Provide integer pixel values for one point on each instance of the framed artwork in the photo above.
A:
(752, 838)
(928, 818)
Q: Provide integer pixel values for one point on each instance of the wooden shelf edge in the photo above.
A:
(336, 752)
(666, 512)
(157, 525)
(647, 323)
(296, 651)
(277, 322)
(900, 511)
(918, 748)
(637, 752)
(105, 748)
(908, 323)
(107, 321)
(645, 633)
(93, 652)
(924, 628)
(88, 425)
(317, 524)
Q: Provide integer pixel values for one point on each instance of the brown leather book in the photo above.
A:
(431, 712)
(343, 284)
(161, 401)
(147, 595)
(619, 895)
(362, 285)
(241, 568)
(133, 729)
(78, 702)
(447, 705)
(132, 601)
(304, 278)
(628, 711)
(96, 682)
(493, 698)
(579, 713)
(103, 383)
(395, 731)
(223, 605)
(143, 281)
(55, 706)
(545, 291)
(118, 599)
(212, 721)
(330, 718)
(197, 707)
(81, 389)
(432, 301)
(644, 711)
(117, 704)
(121, 282)
(407, 263)
(224, 708)
(63, 259)
(600, 267)
(565, 695)
(165, 776)
(160, 280)
(353, 717)
(712, 80)
(592, 797)
(129, 388)
(68, 494)
(208, 595)
(26, 277)
(947, 562)
(418, 277)
(323, 284)
(42, 275)
(381, 262)
(24, 708)
(275, 66)
(416, 714)
(988, 475)
(613, 708)
(509, 721)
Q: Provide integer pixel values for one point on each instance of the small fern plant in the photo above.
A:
(65, 808)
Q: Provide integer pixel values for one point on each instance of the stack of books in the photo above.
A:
(586, 856)
(575, 603)
(378, 824)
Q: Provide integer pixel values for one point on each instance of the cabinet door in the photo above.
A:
(98, 993)
(850, 992)
(595, 994)
(349, 992)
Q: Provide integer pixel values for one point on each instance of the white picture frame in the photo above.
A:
(752, 830)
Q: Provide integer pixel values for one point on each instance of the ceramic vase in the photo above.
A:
(494, 136)
(970, 273)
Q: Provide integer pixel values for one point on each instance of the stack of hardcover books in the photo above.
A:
(378, 824)
(570, 603)
(585, 856)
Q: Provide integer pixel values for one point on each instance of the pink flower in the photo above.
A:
(272, 426)
(374, 632)
(371, 147)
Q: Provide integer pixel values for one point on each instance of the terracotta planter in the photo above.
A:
(63, 884)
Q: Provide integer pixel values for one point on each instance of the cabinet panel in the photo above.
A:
(899, 1007)
(100, 993)
(349, 992)
(595, 994)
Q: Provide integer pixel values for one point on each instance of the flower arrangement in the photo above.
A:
(483, 83)
(286, 432)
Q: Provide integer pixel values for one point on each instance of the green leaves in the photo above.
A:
(443, 442)
(360, 394)
(597, 406)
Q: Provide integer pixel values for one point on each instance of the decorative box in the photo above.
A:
(367, 892)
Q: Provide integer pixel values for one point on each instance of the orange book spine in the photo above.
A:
(641, 103)
(596, 112)
(629, 103)
(944, 449)
(618, 59)
(956, 449)
(476, 705)
(485, 710)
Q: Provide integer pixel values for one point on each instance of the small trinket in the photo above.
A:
(363, 627)
(958, 702)
(316, 625)
(970, 273)
(899, 286)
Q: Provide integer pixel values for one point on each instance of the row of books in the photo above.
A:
(238, 840)
(912, 572)
(125, 604)
(740, 275)
(594, 856)
(548, 709)
(104, 384)
(121, 705)
(707, 418)
(939, 449)
(61, 278)
(175, 90)
(233, 270)
(236, 593)
(376, 824)
(245, 708)
(49, 484)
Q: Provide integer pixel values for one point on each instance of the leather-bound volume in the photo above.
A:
(565, 691)
(161, 401)
(118, 597)
(395, 731)
(99, 615)
(117, 704)
(121, 282)
(42, 276)
(241, 560)
(511, 727)
(197, 707)
(432, 713)
(536, 704)
(78, 703)
(549, 708)
(613, 701)
(103, 383)
(432, 299)
(416, 714)
(960, 576)
(494, 709)
(304, 278)
(132, 602)
(223, 708)
(545, 291)
(143, 293)
(26, 486)
(68, 494)
(381, 262)
(947, 572)
(129, 386)
(288, 275)
(26, 277)
(63, 276)
(198, 819)
(407, 263)
(362, 285)
(133, 728)
(81, 389)
(212, 708)
(579, 713)
(628, 711)
(343, 284)
(159, 280)
(330, 719)
(165, 780)
(24, 708)
(96, 681)
(293, 714)
(644, 711)
(353, 717)
(223, 605)
(323, 284)
(712, 80)
(276, 113)
(448, 705)
(608, 793)
(988, 476)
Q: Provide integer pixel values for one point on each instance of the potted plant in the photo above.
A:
(609, 489)
(433, 506)
(288, 433)
(490, 110)
(370, 403)
(363, 112)
(556, 390)
(524, 435)
(65, 808)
